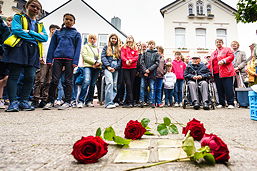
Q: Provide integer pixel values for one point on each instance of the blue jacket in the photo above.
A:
(30, 36)
(196, 70)
(65, 44)
(109, 60)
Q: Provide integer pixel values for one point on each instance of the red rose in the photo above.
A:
(218, 148)
(89, 149)
(196, 128)
(134, 130)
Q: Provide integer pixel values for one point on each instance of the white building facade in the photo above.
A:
(191, 26)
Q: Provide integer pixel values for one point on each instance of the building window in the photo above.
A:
(190, 9)
(84, 38)
(102, 40)
(208, 9)
(1, 6)
(201, 37)
(199, 7)
(180, 39)
(222, 34)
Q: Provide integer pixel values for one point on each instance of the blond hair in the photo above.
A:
(90, 36)
(133, 45)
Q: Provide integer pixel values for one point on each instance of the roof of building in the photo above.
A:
(162, 10)
(91, 9)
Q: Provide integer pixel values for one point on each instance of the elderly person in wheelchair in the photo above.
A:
(197, 75)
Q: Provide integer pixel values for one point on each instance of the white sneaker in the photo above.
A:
(180, 105)
(220, 106)
(58, 102)
(80, 105)
(90, 104)
(64, 106)
(176, 104)
(231, 107)
(48, 106)
(73, 103)
(110, 107)
(2, 104)
(116, 104)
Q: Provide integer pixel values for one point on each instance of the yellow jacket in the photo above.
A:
(251, 70)
(89, 54)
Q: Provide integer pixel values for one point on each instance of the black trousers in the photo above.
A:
(225, 89)
(129, 78)
(57, 70)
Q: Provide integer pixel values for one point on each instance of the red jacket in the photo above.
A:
(225, 70)
(178, 67)
(129, 54)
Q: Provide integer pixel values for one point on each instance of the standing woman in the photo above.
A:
(25, 55)
(222, 67)
(63, 54)
(129, 57)
(111, 63)
(91, 67)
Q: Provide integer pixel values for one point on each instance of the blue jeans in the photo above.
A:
(144, 83)
(111, 79)
(60, 94)
(178, 90)
(28, 80)
(168, 96)
(88, 86)
(158, 90)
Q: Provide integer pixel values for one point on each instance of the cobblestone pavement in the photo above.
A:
(43, 140)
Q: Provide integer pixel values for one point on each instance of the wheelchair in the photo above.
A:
(212, 98)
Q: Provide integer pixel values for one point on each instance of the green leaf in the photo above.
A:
(109, 134)
(205, 149)
(166, 121)
(209, 158)
(121, 141)
(198, 156)
(162, 129)
(173, 129)
(98, 132)
(147, 128)
(145, 122)
(148, 133)
(188, 145)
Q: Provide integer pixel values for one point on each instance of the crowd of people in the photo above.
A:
(46, 71)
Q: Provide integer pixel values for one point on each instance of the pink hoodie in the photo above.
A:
(178, 67)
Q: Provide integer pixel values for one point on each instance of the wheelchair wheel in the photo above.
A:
(213, 106)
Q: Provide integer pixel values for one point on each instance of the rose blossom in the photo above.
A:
(89, 149)
(218, 148)
(196, 128)
(134, 130)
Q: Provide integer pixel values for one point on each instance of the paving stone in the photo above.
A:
(169, 143)
(132, 156)
(171, 153)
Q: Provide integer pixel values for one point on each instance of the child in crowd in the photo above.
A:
(149, 63)
(91, 66)
(64, 51)
(129, 57)
(169, 83)
(178, 67)
(44, 75)
(111, 63)
(24, 56)
(159, 78)
(4, 33)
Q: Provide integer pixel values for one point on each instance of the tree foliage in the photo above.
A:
(246, 11)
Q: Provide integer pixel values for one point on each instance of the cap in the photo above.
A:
(195, 57)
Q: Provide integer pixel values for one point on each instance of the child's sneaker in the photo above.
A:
(13, 107)
(64, 106)
(24, 105)
(176, 104)
(48, 106)
(2, 104)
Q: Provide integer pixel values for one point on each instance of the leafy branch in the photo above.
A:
(167, 127)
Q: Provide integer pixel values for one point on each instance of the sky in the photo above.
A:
(140, 18)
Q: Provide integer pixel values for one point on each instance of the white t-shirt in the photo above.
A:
(169, 80)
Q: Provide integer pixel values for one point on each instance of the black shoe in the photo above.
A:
(141, 104)
(35, 104)
(127, 106)
(196, 105)
(206, 106)
(152, 105)
(42, 104)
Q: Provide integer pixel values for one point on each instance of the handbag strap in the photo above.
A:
(96, 57)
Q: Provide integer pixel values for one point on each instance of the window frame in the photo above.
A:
(180, 35)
